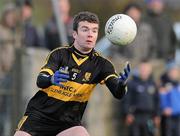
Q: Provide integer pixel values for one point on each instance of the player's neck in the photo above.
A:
(82, 50)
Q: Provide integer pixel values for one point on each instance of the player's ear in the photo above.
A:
(74, 34)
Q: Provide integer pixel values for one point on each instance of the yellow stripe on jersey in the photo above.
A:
(47, 70)
(59, 48)
(113, 75)
(70, 91)
(79, 61)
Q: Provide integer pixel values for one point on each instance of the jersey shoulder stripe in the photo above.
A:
(57, 49)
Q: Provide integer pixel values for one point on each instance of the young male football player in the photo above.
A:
(66, 81)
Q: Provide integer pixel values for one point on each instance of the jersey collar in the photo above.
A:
(77, 52)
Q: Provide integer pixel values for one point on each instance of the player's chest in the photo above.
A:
(83, 71)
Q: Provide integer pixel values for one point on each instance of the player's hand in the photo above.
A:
(123, 77)
(59, 77)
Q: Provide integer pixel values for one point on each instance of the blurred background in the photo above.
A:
(30, 29)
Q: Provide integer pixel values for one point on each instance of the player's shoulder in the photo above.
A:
(60, 49)
(101, 58)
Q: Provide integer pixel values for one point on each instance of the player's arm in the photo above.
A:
(50, 73)
(117, 88)
(45, 80)
(117, 84)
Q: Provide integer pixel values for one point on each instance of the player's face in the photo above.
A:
(86, 36)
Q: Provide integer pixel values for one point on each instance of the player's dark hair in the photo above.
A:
(85, 16)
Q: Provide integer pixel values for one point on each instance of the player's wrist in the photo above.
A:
(52, 80)
(123, 77)
(122, 83)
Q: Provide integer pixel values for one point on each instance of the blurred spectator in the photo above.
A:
(170, 101)
(31, 36)
(144, 43)
(141, 104)
(163, 27)
(10, 40)
(51, 29)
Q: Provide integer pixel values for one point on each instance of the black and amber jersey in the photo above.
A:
(68, 102)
